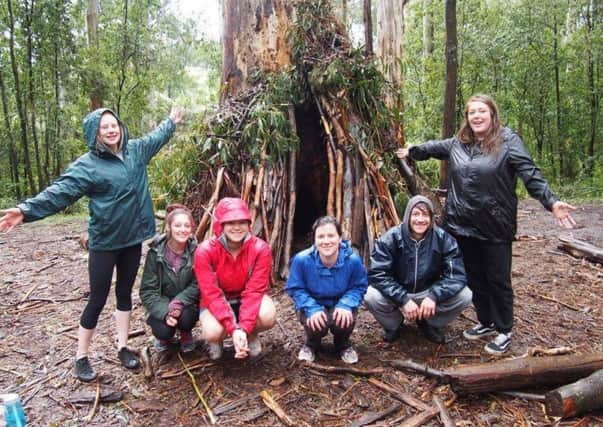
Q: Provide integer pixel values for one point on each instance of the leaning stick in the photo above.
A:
(444, 414)
(276, 408)
(206, 218)
(339, 185)
(210, 414)
(292, 199)
(247, 185)
(332, 176)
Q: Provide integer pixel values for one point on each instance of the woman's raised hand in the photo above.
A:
(11, 218)
(176, 114)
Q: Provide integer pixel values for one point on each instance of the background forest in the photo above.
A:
(540, 59)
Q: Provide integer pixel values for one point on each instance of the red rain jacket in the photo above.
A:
(221, 278)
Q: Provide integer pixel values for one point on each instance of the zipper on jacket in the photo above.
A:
(417, 244)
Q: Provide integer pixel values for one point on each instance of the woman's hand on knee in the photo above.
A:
(317, 321)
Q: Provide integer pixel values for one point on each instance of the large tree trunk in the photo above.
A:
(96, 96)
(577, 398)
(368, 27)
(254, 39)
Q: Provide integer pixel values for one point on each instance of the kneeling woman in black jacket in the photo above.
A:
(168, 289)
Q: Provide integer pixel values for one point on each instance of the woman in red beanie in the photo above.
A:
(233, 272)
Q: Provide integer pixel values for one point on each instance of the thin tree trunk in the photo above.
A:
(96, 98)
(19, 101)
(560, 150)
(427, 29)
(368, 28)
(125, 57)
(448, 123)
(591, 16)
(12, 153)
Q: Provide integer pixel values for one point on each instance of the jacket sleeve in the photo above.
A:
(453, 278)
(529, 173)
(437, 149)
(255, 288)
(381, 275)
(151, 143)
(150, 289)
(212, 296)
(75, 182)
(190, 294)
(353, 297)
(297, 288)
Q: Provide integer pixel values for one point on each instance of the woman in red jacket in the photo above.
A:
(233, 272)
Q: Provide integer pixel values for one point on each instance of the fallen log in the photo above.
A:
(511, 374)
(581, 249)
(577, 398)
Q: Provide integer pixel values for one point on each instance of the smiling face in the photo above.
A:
(235, 231)
(109, 132)
(180, 229)
(419, 222)
(327, 240)
(479, 117)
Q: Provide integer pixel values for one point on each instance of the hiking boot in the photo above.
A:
(187, 344)
(432, 333)
(392, 336)
(255, 346)
(127, 358)
(306, 354)
(161, 345)
(499, 345)
(349, 355)
(479, 331)
(215, 350)
(83, 370)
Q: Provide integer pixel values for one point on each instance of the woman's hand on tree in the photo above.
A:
(561, 210)
(317, 321)
(12, 217)
(402, 153)
(343, 318)
(176, 114)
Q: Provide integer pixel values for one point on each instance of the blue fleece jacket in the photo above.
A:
(314, 287)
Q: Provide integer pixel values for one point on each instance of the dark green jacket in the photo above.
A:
(120, 207)
(160, 284)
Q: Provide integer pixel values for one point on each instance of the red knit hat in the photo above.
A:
(230, 209)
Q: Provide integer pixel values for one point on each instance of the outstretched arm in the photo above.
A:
(561, 211)
(12, 217)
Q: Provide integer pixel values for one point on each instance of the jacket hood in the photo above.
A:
(410, 205)
(230, 209)
(90, 125)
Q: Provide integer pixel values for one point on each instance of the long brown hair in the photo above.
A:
(494, 138)
(173, 210)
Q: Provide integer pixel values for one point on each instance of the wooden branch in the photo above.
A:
(581, 249)
(147, 363)
(207, 215)
(348, 197)
(210, 414)
(445, 418)
(289, 233)
(358, 217)
(344, 369)
(136, 333)
(276, 408)
(247, 184)
(29, 292)
(95, 406)
(229, 406)
(178, 372)
(402, 396)
(577, 398)
(104, 396)
(522, 395)
(371, 417)
(421, 418)
(418, 367)
(332, 178)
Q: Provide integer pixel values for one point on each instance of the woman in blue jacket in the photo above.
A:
(327, 283)
(113, 175)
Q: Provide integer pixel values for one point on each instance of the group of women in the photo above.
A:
(224, 281)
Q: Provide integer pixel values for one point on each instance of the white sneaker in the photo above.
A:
(215, 350)
(349, 355)
(306, 354)
(255, 346)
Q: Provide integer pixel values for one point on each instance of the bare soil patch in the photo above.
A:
(43, 287)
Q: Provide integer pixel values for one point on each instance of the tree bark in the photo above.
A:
(96, 98)
(448, 123)
(577, 398)
(12, 152)
(254, 39)
(368, 27)
(512, 374)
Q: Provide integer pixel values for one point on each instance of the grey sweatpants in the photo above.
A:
(388, 313)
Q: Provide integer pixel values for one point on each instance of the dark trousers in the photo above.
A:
(341, 336)
(100, 271)
(488, 267)
(186, 322)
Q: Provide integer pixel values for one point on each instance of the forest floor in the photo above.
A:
(43, 288)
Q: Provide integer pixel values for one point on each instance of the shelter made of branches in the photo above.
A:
(303, 142)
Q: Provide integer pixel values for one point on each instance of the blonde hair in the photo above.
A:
(493, 139)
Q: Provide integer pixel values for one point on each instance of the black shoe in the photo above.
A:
(392, 336)
(83, 370)
(432, 333)
(128, 359)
